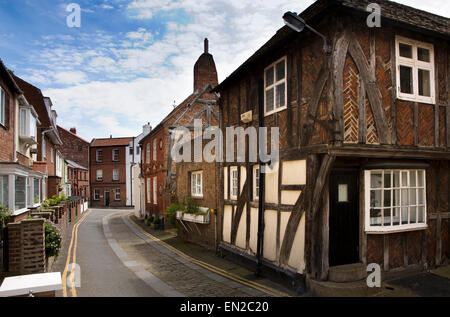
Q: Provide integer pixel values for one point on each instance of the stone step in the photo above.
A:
(347, 273)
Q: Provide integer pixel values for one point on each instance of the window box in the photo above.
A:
(200, 218)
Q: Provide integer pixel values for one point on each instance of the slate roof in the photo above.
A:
(76, 165)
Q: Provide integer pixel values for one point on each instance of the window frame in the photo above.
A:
(2, 106)
(400, 227)
(155, 190)
(97, 194)
(99, 158)
(232, 183)
(99, 179)
(118, 174)
(274, 85)
(415, 64)
(114, 153)
(155, 149)
(194, 189)
(149, 190)
(148, 154)
(115, 194)
(256, 177)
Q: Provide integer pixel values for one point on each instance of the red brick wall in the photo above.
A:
(27, 247)
(7, 133)
(70, 148)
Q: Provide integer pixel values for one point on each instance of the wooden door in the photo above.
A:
(344, 218)
(107, 199)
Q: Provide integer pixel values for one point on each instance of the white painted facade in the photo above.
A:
(133, 170)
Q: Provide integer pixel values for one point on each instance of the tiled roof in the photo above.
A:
(413, 17)
(75, 135)
(35, 98)
(75, 165)
(111, 142)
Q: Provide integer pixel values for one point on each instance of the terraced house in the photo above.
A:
(21, 184)
(364, 126)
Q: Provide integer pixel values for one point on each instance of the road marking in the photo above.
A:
(64, 275)
(260, 287)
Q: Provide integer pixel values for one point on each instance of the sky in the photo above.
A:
(130, 61)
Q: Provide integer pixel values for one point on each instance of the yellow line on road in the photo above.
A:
(64, 275)
(212, 268)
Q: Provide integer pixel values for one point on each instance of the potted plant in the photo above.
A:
(155, 223)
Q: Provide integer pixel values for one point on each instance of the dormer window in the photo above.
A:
(275, 87)
(415, 70)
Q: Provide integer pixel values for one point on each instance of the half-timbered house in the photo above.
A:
(363, 175)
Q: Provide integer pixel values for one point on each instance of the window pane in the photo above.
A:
(387, 179)
(387, 216)
(406, 85)
(387, 198)
(281, 100)
(396, 216)
(342, 193)
(20, 193)
(269, 77)
(32, 126)
(412, 196)
(375, 180)
(269, 100)
(420, 178)
(412, 178)
(412, 214)
(281, 71)
(396, 198)
(405, 50)
(4, 191)
(396, 179)
(423, 54)
(404, 194)
(37, 190)
(375, 217)
(404, 215)
(421, 196)
(424, 82)
(404, 179)
(23, 122)
(375, 198)
(421, 213)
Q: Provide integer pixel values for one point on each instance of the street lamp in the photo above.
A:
(292, 20)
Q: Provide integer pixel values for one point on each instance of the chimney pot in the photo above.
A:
(73, 130)
(206, 46)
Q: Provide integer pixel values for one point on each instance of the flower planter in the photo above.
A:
(179, 214)
(202, 218)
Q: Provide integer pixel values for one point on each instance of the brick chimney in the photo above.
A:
(205, 70)
(73, 130)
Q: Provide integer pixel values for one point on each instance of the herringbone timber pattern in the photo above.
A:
(351, 96)
(372, 136)
(405, 123)
(426, 125)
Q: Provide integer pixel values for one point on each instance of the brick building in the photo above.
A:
(74, 147)
(364, 134)
(20, 185)
(158, 169)
(48, 157)
(108, 172)
(78, 178)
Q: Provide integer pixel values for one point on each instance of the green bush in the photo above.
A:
(5, 213)
(156, 221)
(171, 212)
(52, 239)
(192, 207)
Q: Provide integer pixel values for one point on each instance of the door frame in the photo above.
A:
(109, 196)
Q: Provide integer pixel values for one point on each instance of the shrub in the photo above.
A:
(192, 207)
(156, 221)
(52, 239)
(171, 212)
(5, 213)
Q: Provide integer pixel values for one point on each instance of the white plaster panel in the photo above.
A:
(228, 209)
(290, 197)
(253, 229)
(297, 256)
(270, 235)
(241, 237)
(294, 172)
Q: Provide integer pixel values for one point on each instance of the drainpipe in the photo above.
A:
(260, 242)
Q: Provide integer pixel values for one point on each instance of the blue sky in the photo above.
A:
(131, 59)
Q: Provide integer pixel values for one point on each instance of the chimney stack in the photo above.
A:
(73, 130)
(206, 46)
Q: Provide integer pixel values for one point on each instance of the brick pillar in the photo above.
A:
(27, 246)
